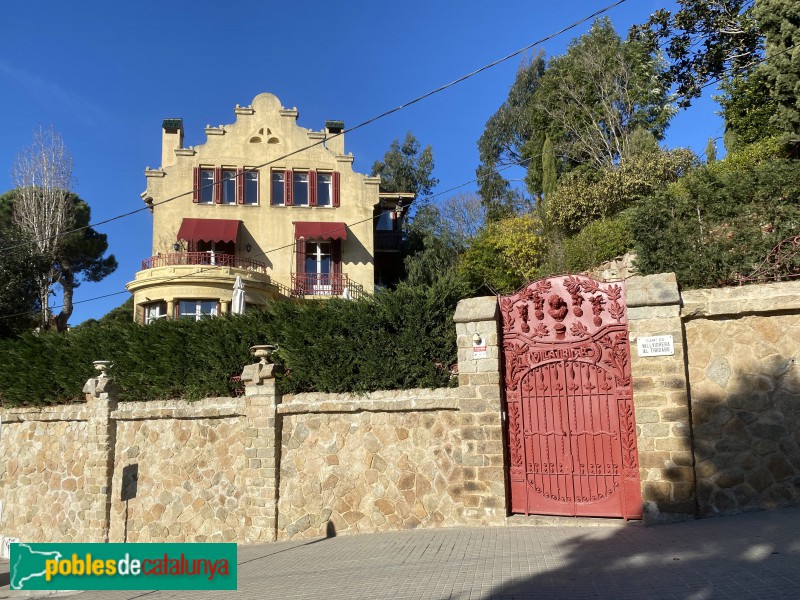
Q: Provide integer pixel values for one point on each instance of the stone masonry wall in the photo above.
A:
(661, 401)
(177, 472)
(379, 462)
(42, 483)
(743, 352)
(481, 414)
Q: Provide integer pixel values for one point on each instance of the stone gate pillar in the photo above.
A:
(262, 452)
(101, 400)
(660, 398)
(479, 380)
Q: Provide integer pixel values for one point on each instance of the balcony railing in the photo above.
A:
(325, 284)
(203, 258)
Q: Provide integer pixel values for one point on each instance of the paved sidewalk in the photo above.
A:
(755, 555)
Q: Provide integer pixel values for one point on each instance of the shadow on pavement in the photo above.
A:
(700, 560)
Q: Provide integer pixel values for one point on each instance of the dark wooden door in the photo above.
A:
(571, 429)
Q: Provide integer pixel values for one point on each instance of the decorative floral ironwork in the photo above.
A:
(578, 329)
(540, 331)
(597, 307)
(628, 436)
(507, 308)
(515, 435)
(523, 315)
(573, 285)
(538, 306)
(616, 356)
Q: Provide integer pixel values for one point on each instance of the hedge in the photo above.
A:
(399, 339)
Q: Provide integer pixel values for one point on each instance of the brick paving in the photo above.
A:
(755, 555)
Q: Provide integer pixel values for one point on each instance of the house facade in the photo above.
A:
(269, 201)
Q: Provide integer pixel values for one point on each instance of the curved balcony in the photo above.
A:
(203, 258)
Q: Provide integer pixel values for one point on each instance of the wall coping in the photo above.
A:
(380, 401)
(60, 412)
(748, 299)
(213, 408)
(652, 290)
(471, 310)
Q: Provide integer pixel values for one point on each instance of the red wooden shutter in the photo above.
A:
(288, 188)
(335, 184)
(239, 186)
(196, 191)
(300, 269)
(336, 257)
(217, 185)
(312, 188)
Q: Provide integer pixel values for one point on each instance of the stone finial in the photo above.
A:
(102, 384)
(257, 373)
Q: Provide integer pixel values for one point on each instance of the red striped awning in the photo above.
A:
(209, 230)
(320, 231)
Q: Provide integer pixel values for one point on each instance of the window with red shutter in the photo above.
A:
(300, 268)
(336, 259)
(196, 184)
(218, 185)
(288, 192)
(336, 193)
(312, 188)
(239, 186)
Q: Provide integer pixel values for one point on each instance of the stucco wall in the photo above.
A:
(743, 352)
(384, 461)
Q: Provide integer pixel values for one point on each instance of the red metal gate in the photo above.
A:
(571, 427)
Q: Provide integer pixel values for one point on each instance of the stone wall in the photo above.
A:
(177, 472)
(718, 431)
(42, 464)
(744, 347)
(379, 462)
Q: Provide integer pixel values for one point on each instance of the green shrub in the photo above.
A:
(720, 221)
(399, 339)
(598, 242)
(585, 195)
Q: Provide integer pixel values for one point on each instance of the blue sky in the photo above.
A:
(104, 75)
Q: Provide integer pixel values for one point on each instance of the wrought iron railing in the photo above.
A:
(783, 262)
(203, 258)
(326, 284)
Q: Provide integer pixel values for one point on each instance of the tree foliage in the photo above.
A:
(721, 220)
(748, 108)
(78, 256)
(779, 21)
(438, 235)
(590, 103)
(19, 292)
(506, 254)
(598, 93)
(405, 168)
(597, 243)
(702, 39)
(585, 195)
(45, 214)
(513, 135)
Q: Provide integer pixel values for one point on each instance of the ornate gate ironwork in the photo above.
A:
(571, 427)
